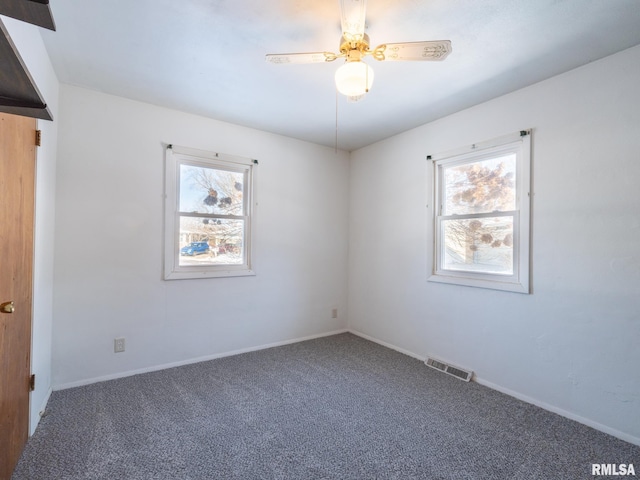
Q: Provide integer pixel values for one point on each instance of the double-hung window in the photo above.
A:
(209, 214)
(482, 215)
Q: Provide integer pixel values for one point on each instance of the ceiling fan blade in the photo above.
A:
(297, 58)
(353, 17)
(430, 50)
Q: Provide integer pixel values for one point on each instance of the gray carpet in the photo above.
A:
(339, 407)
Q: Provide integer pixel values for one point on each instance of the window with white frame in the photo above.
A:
(209, 214)
(482, 214)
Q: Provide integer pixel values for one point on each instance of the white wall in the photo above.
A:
(109, 235)
(573, 346)
(27, 39)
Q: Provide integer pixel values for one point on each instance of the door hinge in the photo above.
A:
(38, 138)
(32, 382)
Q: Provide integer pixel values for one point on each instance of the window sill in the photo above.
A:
(467, 281)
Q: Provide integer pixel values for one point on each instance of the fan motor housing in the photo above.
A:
(361, 46)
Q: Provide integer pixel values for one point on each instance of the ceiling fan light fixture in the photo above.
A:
(354, 79)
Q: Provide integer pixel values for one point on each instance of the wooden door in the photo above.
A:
(17, 202)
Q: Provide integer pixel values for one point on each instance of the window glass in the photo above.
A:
(479, 245)
(211, 190)
(219, 241)
(481, 187)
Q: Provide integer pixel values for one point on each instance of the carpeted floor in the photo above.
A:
(338, 407)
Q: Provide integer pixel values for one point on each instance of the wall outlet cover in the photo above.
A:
(118, 344)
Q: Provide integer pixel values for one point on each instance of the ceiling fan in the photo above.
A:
(355, 77)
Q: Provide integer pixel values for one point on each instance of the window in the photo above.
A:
(209, 214)
(482, 215)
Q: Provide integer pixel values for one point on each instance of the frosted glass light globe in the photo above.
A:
(354, 78)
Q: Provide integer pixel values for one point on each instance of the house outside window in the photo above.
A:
(209, 214)
(482, 215)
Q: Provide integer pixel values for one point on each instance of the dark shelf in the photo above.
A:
(19, 94)
(37, 12)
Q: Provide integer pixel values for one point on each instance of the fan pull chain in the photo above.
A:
(366, 81)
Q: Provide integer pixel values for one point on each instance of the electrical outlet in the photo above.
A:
(334, 313)
(118, 344)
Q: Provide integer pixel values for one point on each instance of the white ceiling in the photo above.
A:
(207, 57)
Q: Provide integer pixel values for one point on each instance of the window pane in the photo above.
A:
(481, 187)
(209, 190)
(205, 241)
(479, 245)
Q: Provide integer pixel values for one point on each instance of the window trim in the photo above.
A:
(175, 156)
(520, 281)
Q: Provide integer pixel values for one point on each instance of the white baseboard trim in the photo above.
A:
(388, 345)
(155, 368)
(525, 398)
(563, 413)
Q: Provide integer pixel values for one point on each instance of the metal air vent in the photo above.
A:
(449, 369)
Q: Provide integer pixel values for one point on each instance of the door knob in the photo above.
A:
(7, 307)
